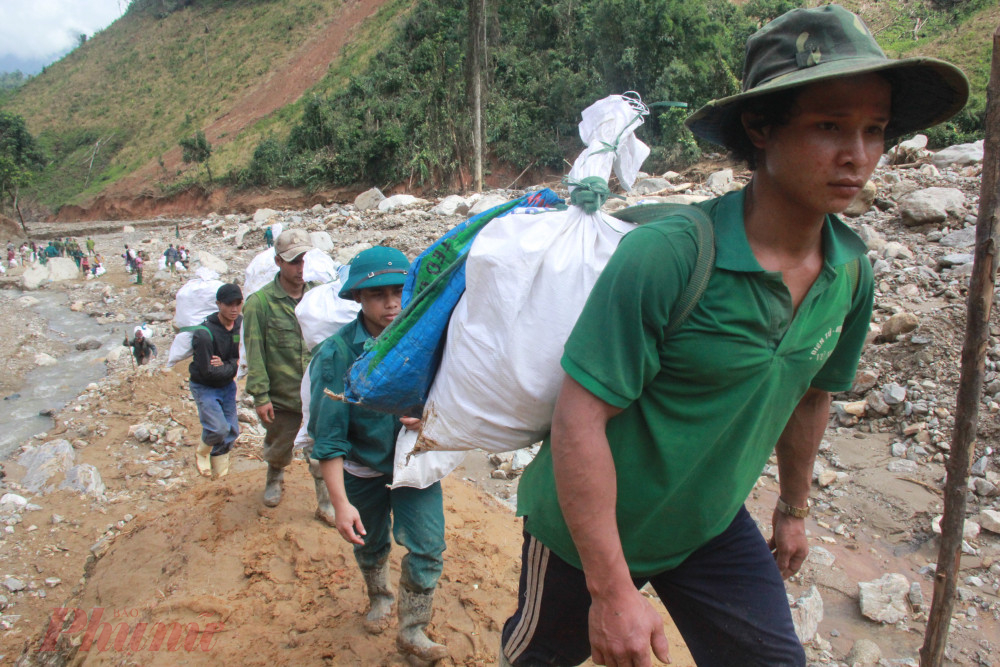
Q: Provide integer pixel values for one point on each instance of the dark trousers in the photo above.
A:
(727, 600)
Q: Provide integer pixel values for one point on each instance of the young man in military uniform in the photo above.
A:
(657, 440)
(277, 357)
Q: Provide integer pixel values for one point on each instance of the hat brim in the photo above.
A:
(925, 92)
(364, 282)
(293, 252)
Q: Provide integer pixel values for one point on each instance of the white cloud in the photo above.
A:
(42, 29)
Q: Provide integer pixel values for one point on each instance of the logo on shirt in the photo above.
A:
(822, 351)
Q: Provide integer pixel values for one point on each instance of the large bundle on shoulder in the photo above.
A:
(527, 280)
(194, 302)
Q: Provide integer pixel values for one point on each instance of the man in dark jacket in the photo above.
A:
(216, 344)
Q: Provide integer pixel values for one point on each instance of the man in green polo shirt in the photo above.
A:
(658, 439)
(277, 357)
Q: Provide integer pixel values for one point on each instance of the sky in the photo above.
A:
(34, 33)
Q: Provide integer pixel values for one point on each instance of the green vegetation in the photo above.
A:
(20, 158)
(197, 149)
(393, 108)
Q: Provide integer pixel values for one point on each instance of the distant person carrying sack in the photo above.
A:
(277, 357)
(657, 440)
(216, 348)
(355, 447)
(142, 348)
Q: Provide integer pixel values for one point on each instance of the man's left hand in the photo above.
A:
(215, 360)
(788, 543)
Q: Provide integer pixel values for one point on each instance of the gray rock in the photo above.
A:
(863, 202)
(984, 488)
(451, 205)
(241, 234)
(955, 259)
(720, 180)
(896, 250)
(863, 381)
(368, 199)
(979, 467)
(961, 238)
(13, 584)
(864, 653)
(931, 206)
(88, 343)
(41, 462)
(140, 432)
(959, 155)
(877, 403)
(42, 359)
(158, 316)
(61, 269)
(84, 478)
(263, 215)
(899, 324)
(399, 201)
(647, 186)
(884, 600)
(3, 602)
(904, 466)
(12, 502)
(807, 613)
(821, 557)
(893, 394)
(990, 520)
(485, 203)
(915, 596)
(321, 241)
(210, 261)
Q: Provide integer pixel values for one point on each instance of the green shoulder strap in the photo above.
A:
(854, 275)
(704, 263)
(199, 327)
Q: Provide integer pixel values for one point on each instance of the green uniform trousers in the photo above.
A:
(417, 520)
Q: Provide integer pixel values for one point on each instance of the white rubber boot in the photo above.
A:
(202, 455)
(380, 598)
(415, 611)
(220, 465)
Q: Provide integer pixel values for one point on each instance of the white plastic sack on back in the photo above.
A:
(528, 277)
(195, 302)
(423, 469)
(321, 313)
(302, 438)
(319, 267)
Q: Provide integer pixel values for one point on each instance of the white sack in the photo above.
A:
(319, 267)
(302, 438)
(528, 277)
(195, 302)
(321, 313)
(162, 264)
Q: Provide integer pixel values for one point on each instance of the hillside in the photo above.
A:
(306, 101)
(114, 109)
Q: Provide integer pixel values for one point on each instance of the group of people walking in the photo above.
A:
(656, 439)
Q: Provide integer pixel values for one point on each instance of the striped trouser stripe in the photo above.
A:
(520, 638)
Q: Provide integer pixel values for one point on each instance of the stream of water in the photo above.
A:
(46, 389)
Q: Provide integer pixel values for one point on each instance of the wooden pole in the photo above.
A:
(474, 56)
(970, 388)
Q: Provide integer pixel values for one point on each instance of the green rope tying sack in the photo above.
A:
(590, 193)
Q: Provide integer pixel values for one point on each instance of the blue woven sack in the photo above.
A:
(396, 371)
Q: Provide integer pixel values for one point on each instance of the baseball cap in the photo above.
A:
(804, 46)
(376, 267)
(292, 243)
(229, 293)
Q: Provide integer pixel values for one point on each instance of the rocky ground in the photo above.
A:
(106, 515)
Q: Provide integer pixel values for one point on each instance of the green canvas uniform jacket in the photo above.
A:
(277, 355)
(339, 429)
(703, 406)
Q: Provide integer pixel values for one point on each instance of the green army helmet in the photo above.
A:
(804, 46)
(375, 267)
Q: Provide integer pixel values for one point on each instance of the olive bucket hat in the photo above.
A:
(804, 46)
(375, 267)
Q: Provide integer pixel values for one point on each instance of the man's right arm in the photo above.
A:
(623, 624)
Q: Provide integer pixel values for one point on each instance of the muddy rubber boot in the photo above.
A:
(202, 459)
(220, 465)
(415, 611)
(324, 508)
(380, 598)
(272, 489)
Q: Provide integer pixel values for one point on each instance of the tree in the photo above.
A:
(20, 158)
(197, 149)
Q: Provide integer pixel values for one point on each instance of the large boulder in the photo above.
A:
(863, 202)
(35, 276)
(884, 600)
(210, 261)
(85, 479)
(451, 205)
(41, 462)
(241, 233)
(399, 201)
(368, 199)
(807, 613)
(62, 268)
(931, 206)
(960, 155)
(263, 215)
(486, 202)
(321, 241)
